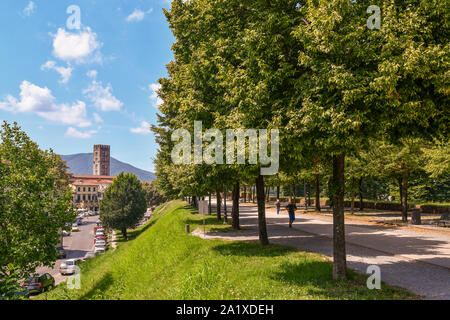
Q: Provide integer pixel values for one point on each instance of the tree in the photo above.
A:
(369, 83)
(35, 203)
(153, 197)
(124, 203)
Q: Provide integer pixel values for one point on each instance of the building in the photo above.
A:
(101, 160)
(88, 190)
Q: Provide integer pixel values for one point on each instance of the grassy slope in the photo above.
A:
(163, 262)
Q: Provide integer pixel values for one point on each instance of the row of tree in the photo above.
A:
(335, 89)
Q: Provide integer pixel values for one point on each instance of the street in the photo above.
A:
(76, 246)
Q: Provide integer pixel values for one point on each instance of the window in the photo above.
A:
(89, 189)
(79, 189)
(94, 189)
(89, 197)
(84, 197)
(84, 189)
(78, 198)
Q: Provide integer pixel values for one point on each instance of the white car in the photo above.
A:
(68, 266)
(99, 250)
(99, 234)
(75, 227)
(100, 243)
(65, 233)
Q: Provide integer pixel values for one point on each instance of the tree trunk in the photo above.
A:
(339, 252)
(317, 186)
(267, 194)
(245, 194)
(124, 233)
(235, 209)
(304, 194)
(253, 194)
(361, 203)
(404, 196)
(353, 196)
(278, 192)
(309, 195)
(218, 204)
(209, 203)
(293, 193)
(263, 239)
(225, 214)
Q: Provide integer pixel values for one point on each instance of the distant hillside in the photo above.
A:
(81, 163)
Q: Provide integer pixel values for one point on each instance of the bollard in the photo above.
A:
(187, 228)
(415, 217)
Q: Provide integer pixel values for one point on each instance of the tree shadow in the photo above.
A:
(99, 288)
(251, 249)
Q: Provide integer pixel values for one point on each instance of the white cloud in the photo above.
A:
(137, 15)
(40, 101)
(143, 129)
(74, 133)
(92, 74)
(81, 46)
(102, 98)
(29, 9)
(65, 73)
(156, 100)
(97, 118)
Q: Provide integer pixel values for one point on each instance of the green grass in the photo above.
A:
(163, 262)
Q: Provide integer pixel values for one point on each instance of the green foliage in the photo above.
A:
(124, 203)
(35, 203)
(153, 197)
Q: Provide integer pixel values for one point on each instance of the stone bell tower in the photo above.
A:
(102, 163)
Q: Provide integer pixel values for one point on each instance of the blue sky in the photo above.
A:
(72, 88)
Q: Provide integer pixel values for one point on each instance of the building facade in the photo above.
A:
(88, 190)
(102, 160)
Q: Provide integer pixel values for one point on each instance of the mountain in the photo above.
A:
(81, 163)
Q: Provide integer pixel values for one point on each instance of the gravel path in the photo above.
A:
(418, 261)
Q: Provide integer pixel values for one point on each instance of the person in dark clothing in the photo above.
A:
(291, 207)
(278, 205)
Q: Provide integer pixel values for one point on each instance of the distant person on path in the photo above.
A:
(291, 207)
(278, 205)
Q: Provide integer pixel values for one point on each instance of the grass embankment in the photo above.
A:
(161, 261)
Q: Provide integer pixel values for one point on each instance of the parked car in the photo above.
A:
(100, 243)
(89, 255)
(39, 284)
(68, 266)
(65, 233)
(99, 238)
(99, 234)
(75, 228)
(99, 250)
(61, 253)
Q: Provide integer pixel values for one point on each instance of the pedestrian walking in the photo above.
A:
(278, 205)
(291, 207)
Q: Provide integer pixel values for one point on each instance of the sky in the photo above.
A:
(78, 73)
